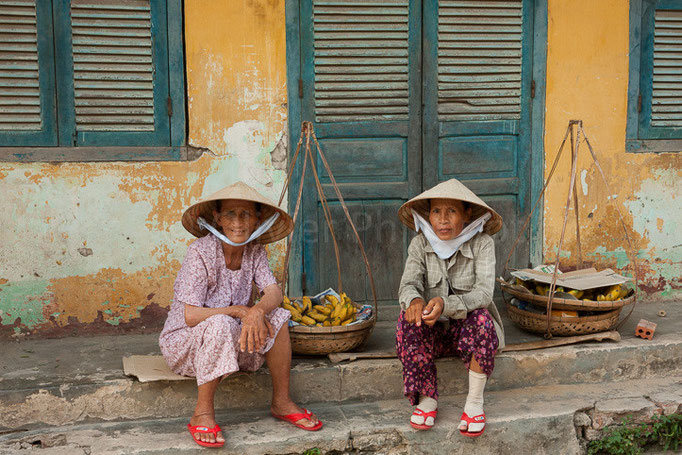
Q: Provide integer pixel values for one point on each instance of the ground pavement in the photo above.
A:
(70, 396)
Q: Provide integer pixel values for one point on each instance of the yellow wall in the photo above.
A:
(587, 79)
(94, 247)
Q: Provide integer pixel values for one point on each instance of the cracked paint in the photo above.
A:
(587, 79)
(94, 247)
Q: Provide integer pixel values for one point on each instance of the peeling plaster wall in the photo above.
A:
(94, 247)
(587, 79)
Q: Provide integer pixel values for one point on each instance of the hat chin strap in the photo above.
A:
(267, 224)
(446, 248)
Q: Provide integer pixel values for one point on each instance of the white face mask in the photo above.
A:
(267, 224)
(446, 248)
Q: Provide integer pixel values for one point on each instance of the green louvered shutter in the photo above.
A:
(479, 60)
(114, 83)
(477, 92)
(661, 71)
(27, 92)
(361, 61)
(361, 88)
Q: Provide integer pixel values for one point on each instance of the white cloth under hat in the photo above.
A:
(279, 226)
(260, 230)
(450, 189)
(446, 248)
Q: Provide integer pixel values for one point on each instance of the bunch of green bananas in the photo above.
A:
(333, 312)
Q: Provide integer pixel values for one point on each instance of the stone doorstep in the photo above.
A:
(108, 395)
(542, 419)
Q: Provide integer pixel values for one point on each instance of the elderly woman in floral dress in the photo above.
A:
(211, 331)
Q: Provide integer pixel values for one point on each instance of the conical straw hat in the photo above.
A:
(240, 190)
(451, 189)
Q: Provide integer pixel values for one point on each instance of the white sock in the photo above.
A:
(426, 404)
(474, 403)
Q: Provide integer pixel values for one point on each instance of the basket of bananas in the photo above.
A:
(562, 322)
(327, 323)
(605, 298)
(592, 305)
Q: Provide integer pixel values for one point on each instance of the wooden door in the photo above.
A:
(405, 94)
(361, 87)
(477, 106)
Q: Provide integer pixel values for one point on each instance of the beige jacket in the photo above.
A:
(465, 281)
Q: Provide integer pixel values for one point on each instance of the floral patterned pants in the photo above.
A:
(419, 347)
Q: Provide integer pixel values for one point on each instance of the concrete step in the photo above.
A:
(555, 419)
(65, 381)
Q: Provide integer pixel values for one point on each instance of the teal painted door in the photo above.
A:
(478, 59)
(361, 88)
(404, 94)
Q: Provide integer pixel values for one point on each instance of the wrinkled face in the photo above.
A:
(448, 217)
(237, 219)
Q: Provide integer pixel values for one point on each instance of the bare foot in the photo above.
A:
(206, 420)
(289, 407)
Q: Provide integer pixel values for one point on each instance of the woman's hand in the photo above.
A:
(255, 330)
(433, 311)
(413, 314)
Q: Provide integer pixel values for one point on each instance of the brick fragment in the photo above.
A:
(645, 329)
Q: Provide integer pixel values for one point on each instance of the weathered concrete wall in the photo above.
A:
(587, 79)
(94, 247)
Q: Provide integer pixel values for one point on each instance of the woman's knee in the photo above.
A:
(220, 323)
(480, 318)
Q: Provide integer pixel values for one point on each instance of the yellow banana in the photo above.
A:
(332, 299)
(347, 321)
(285, 299)
(336, 321)
(541, 290)
(307, 303)
(307, 321)
(327, 323)
(613, 292)
(337, 309)
(623, 292)
(576, 293)
(317, 316)
(292, 310)
(296, 317)
(322, 309)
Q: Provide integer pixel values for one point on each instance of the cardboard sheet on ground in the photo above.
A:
(147, 368)
(579, 279)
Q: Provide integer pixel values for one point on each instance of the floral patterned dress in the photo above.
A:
(210, 349)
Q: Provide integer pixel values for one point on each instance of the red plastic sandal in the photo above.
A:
(199, 429)
(469, 420)
(420, 413)
(295, 417)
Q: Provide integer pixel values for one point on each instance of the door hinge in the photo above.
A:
(169, 104)
(639, 103)
(300, 88)
(532, 88)
(303, 283)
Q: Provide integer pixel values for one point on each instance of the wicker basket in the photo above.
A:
(313, 340)
(558, 303)
(563, 326)
(327, 340)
